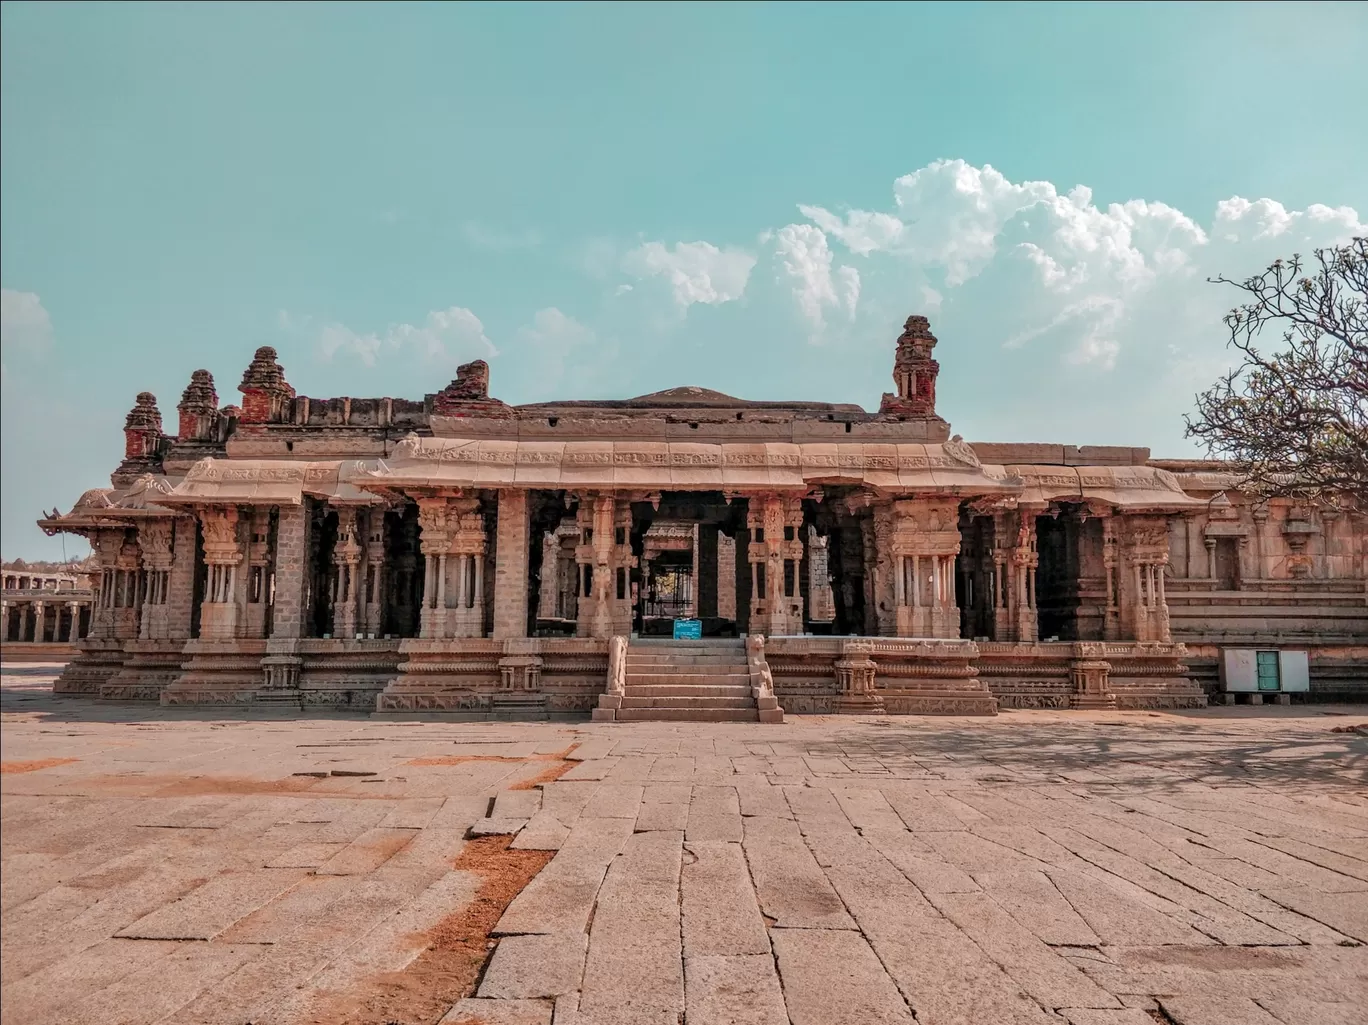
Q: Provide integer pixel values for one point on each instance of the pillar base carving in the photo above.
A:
(97, 660)
(1090, 678)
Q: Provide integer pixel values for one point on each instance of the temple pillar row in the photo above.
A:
(453, 543)
(924, 543)
(1144, 559)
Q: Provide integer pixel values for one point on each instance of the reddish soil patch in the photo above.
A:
(33, 766)
(547, 775)
(463, 759)
(458, 946)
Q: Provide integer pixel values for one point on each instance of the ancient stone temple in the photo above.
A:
(460, 554)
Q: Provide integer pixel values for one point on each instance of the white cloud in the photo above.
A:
(806, 259)
(1075, 276)
(24, 323)
(699, 272)
(454, 333)
(554, 349)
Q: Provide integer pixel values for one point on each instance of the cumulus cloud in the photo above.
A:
(454, 333)
(1078, 276)
(698, 272)
(805, 258)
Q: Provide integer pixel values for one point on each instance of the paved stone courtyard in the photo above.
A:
(207, 866)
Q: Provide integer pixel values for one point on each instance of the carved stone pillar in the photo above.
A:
(256, 582)
(548, 590)
(821, 598)
(155, 540)
(776, 557)
(1144, 556)
(1016, 560)
(511, 565)
(39, 621)
(347, 560)
(1111, 561)
(433, 542)
(925, 540)
(220, 612)
(604, 559)
(466, 589)
(373, 597)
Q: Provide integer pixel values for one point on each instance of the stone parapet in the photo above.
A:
(532, 676)
(348, 673)
(824, 675)
(1071, 675)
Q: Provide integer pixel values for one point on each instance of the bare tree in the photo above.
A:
(1295, 421)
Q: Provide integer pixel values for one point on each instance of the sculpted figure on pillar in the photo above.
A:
(775, 556)
(605, 561)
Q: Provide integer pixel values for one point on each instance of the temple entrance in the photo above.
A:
(1071, 578)
(668, 586)
(688, 567)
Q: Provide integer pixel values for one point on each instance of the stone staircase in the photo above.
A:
(693, 681)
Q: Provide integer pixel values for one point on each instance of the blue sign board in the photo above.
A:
(688, 629)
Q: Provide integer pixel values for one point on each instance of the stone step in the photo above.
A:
(702, 642)
(661, 658)
(688, 714)
(631, 700)
(667, 675)
(690, 690)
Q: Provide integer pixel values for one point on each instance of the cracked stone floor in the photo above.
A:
(1201, 868)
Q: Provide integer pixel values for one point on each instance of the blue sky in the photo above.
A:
(607, 200)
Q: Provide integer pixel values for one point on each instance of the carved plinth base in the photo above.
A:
(217, 673)
(1091, 680)
(858, 704)
(280, 680)
(97, 660)
(149, 668)
(485, 678)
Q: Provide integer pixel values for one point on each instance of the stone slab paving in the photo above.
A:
(207, 866)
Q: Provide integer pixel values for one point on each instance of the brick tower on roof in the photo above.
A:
(198, 408)
(142, 439)
(468, 395)
(914, 373)
(266, 395)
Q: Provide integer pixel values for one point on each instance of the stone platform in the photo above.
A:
(1043, 867)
